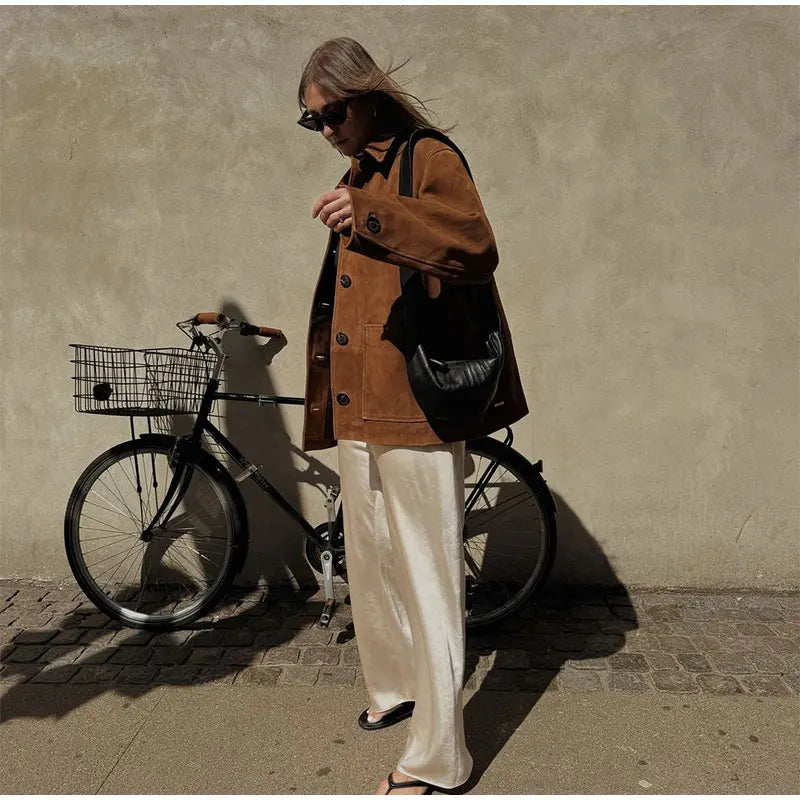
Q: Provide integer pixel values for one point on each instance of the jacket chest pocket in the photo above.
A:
(386, 394)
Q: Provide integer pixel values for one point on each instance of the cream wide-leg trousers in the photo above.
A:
(403, 511)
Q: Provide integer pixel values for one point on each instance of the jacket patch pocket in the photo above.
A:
(386, 393)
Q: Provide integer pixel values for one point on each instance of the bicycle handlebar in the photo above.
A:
(208, 318)
(246, 329)
(263, 330)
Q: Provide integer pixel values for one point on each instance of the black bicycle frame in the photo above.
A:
(182, 477)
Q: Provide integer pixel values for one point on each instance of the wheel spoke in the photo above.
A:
(122, 534)
(109, 527)
(114, 508)
(117, 566)
(505, 532)
(119, 494)
(100, 547)
(191, 549)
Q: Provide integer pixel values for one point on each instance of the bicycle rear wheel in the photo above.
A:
(509, 530)
(166, 578)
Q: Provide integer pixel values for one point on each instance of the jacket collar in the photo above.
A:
(378, 149)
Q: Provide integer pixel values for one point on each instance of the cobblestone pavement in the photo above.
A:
(566, 640)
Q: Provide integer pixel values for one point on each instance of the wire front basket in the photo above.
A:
(152, 381)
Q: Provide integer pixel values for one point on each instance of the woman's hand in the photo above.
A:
(335, 209)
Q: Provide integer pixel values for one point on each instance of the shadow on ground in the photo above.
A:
(528, 649)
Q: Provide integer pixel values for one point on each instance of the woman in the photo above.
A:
(402, 479)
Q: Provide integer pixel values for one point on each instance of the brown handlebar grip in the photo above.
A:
(264, 331)
(208, 318)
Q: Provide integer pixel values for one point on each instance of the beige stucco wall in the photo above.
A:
(640, 170)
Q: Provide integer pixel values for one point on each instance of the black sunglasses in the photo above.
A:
(335, 114)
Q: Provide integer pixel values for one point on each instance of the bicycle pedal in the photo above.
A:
(327, 612)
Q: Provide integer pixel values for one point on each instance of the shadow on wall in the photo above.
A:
(581, 560)
(276, 549)
(276, 552)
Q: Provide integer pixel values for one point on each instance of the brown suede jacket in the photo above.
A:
(356, 382)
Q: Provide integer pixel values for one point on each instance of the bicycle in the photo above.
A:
(173, 509)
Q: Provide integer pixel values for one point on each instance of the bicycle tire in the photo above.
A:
(515, 462)
(518, 465)
(235, 547)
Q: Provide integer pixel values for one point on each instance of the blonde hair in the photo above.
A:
(343, 69)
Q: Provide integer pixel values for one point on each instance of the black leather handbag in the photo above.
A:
(453, 342)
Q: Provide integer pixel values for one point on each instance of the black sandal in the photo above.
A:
(402, 711)
(393, 784)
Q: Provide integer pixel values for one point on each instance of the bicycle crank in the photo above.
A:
(326, 556)
(313, 554)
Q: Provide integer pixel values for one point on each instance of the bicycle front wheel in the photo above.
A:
(163, 578)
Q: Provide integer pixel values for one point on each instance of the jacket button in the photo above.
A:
(341, 338)
(373, 224)
(345, 281)
(342, 399)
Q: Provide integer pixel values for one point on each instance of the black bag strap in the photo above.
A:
(407, 159)
(407, 174)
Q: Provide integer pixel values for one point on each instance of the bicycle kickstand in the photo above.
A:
(326, 557)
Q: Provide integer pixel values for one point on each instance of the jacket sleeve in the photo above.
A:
(443, 231)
